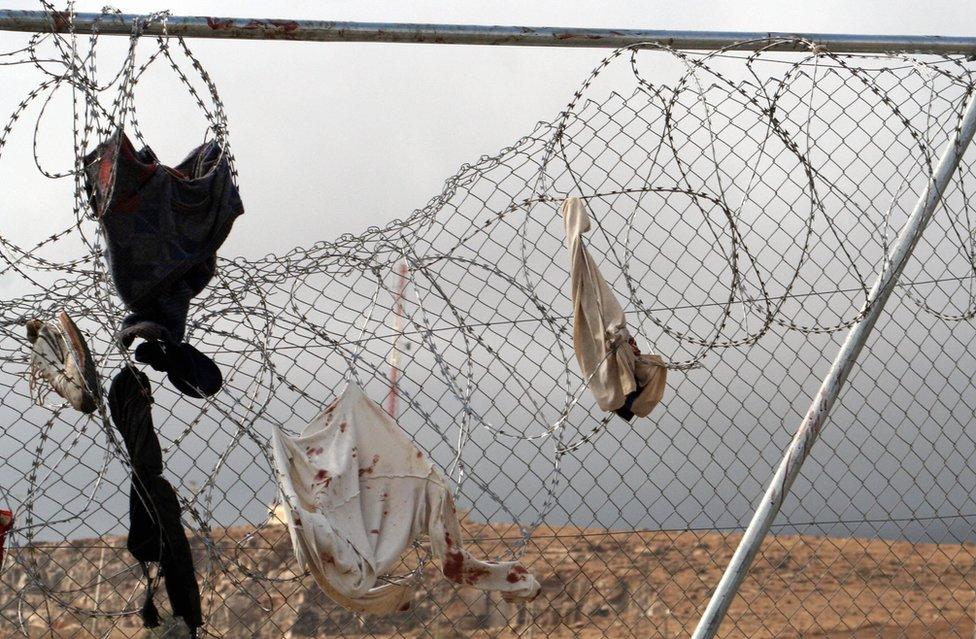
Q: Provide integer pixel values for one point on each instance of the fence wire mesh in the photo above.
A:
(743, 204)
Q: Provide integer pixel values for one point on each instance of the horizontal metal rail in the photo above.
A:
(326, 31)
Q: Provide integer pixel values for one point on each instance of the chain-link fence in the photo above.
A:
(743, 203)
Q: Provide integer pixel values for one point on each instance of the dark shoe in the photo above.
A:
(193, 373)
(188, 370)
(153, 354)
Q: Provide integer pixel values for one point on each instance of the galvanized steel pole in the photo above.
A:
(326, 31)
(809, 429)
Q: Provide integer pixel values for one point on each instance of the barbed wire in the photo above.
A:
(723, 219)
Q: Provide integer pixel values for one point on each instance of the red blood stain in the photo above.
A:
(327, 558)
(342, 427)
(310, 451)
(374, 532)
(516, 574)
(298, 520)
(633, 345)
(323, 477)
(460, 571)
(419, 454)
(219, 24)
(453, 565)
(405, 606)
(368, 470)
(105, 172)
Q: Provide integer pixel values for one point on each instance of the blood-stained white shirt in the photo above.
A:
(357, 492)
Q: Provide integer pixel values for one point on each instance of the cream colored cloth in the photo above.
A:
(357, 492)
(608, 356)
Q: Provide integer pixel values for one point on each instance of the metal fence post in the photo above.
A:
(809, 429)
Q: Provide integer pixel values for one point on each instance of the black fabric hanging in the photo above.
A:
(155, 530)
(163, 226)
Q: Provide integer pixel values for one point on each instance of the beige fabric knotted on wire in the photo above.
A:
(357, 492)
(608, 356)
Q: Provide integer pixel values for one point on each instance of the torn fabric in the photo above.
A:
(357, 492)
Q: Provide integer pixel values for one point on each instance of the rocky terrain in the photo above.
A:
(595, 584)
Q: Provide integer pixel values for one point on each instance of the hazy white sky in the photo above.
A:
(331, 138)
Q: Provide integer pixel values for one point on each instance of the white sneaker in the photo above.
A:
(61, 357)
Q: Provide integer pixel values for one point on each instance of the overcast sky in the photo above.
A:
(331, 138)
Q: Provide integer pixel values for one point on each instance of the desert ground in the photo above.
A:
(596, 583)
